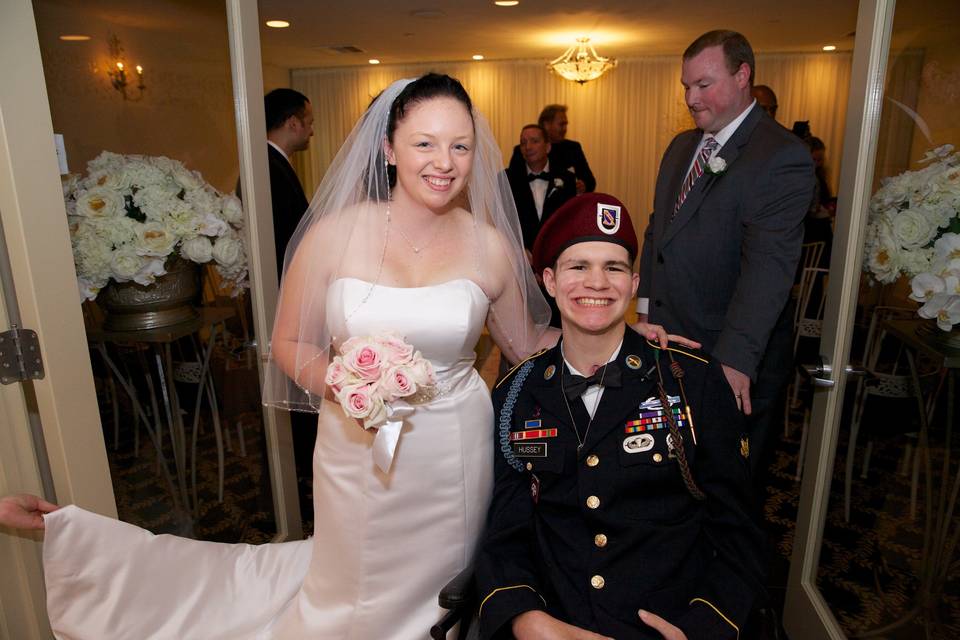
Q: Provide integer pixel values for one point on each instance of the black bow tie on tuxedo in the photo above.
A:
(543, 175)
(575, 386)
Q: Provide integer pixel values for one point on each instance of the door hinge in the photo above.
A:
(20, 356)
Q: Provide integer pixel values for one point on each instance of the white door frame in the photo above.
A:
(244, 28)
(807, 615)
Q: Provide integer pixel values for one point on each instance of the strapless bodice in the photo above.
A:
(442, 321)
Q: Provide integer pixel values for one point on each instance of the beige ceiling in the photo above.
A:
(437, 30)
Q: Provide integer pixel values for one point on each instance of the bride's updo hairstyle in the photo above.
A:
(427, 87)
(432, 85)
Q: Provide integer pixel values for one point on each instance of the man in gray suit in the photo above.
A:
(722, 245)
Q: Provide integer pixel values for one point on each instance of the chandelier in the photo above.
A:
(581, 63)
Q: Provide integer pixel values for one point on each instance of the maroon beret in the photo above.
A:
(588, 217)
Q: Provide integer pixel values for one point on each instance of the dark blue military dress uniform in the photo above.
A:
(592, 534)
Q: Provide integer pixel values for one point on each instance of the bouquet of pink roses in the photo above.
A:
(376, 379)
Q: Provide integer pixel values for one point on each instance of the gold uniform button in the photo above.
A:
(600, 540)
(593, 502)
(657, 457)
(597, 582)
(529, 466)
(592, 460)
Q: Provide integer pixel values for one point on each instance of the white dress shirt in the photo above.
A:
(591, 397)
(539, 189)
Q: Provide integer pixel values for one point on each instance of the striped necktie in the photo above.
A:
(695, 171)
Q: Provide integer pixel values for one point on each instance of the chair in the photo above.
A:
(459, 598)
(887, 377)
(810, 256)
(807, 323)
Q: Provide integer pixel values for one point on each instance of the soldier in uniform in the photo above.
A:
(621, 498)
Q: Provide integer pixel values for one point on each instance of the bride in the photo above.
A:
(412, 230)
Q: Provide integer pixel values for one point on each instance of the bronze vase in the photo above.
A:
(170, 300)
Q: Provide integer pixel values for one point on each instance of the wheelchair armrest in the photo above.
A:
(459, 591)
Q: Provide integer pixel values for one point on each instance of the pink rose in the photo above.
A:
(396, 349)
(398, 382)
(336, 375)
(357, 401)
(366, 361)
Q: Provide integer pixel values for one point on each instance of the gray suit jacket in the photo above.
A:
(722, 270)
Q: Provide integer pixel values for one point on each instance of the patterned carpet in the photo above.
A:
(868, 566)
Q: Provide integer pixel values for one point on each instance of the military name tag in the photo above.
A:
(530, 450)
(638, 443)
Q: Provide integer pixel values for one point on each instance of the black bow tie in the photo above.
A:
(575, 386)
(543, 175)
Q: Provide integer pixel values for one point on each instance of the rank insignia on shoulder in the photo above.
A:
(745, 447)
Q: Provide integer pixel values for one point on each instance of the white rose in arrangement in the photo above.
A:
(912, 230)
(232, 210)
(130, 213)
(197, 249)
(126, 264)
(99, 202)
(155, 240)
(213, 226)
(189, 180)
(228, 252)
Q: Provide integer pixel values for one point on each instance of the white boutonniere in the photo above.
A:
(716, 165)
(557, 183)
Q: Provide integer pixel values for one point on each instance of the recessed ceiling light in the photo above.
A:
(74, 37)
(278, 24)
(506, 3)
(477, 56)
(829, 47)
(373, 61)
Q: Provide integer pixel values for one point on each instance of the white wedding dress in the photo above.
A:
(383, 545)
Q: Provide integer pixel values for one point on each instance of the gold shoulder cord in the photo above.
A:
(517, 366)
(677, 371)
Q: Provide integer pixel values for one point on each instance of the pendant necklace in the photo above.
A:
(596, 404)
(417, 250)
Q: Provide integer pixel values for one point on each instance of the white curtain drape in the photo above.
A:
(624, 120)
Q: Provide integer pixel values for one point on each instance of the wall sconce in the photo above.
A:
(118, 72)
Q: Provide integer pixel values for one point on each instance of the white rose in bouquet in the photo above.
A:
(99, 202)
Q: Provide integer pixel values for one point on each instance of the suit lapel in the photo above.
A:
(729, 152)
(676, 172)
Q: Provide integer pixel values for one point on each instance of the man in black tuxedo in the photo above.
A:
(722, 245)
(289, 127)
(564, 154)
(538, 187)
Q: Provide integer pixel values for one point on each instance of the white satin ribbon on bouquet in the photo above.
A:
(388, 435)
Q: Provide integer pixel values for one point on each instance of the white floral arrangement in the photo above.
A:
(913, 229)
(376, 379)
(131, 212)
